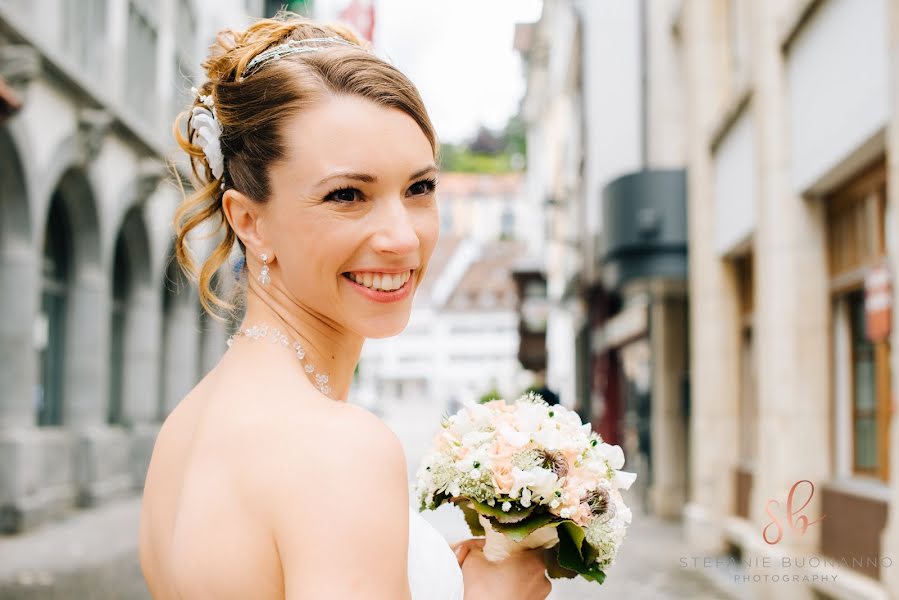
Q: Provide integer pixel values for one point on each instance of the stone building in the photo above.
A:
(791, 118)
(100, 336)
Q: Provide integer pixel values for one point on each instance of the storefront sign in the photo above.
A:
(878, 303)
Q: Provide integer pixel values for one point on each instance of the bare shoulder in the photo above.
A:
(331, 482)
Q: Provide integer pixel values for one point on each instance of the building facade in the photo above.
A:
(101, 335)
(791, 120)
(606, 155)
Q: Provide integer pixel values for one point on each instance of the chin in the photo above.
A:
(384, 326)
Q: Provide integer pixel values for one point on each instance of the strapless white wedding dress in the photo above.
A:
(434, 572)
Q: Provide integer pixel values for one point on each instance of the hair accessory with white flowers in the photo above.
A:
(209, 133)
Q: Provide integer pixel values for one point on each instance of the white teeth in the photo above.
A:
(382, 281)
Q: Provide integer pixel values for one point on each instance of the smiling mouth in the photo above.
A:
(382, 282)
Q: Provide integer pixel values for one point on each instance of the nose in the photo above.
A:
(395, 231)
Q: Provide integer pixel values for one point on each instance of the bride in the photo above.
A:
(319, 160)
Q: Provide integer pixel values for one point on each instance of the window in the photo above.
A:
(83, 34)
(185, 74)
(52, 319)
(856, 243)
(864, 389)
(140, 80)
(120, 288)
(748, 374)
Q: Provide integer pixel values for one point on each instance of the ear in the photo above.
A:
(244, 215)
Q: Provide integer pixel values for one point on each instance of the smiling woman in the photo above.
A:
(317, 160)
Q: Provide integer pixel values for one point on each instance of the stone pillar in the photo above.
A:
(140, 395)
(141, 382)
(19, 296)
(668, 339)
(100, 452)
(792, 303)
(792, 307)
(714, 313)
(180, 353)
(19, 436)
(86, 377)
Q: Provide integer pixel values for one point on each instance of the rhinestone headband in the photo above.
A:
(293, 47)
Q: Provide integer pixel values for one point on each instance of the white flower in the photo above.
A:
(525, 497)
(623, 479)
(209, 134)
(612, 454)
(515, 438)
(507, 506)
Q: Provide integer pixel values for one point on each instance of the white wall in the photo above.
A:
(735, 176)
(837, 80)
(612, 97)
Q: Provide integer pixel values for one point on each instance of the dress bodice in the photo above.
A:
(434, 572)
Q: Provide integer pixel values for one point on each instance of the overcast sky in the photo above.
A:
(459, 53)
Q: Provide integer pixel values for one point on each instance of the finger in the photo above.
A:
(476, 543)
(461, 552)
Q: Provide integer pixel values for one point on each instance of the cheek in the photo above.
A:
(428, 229)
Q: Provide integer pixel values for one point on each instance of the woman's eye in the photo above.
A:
(423, 187)
(344, 195)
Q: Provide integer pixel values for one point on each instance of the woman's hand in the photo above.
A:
(522, 576)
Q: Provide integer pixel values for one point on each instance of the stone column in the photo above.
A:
(668, 331)
(86, 377)
(180, 353)
(19, 295)
(100, 452)
(141, 361)
(714, 314)
(792, 303)
(141, 382)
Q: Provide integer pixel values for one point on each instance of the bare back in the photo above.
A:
(205, 526)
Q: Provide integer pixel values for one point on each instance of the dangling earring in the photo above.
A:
(263, 278)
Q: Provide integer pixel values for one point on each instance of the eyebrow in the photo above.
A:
(367, 178)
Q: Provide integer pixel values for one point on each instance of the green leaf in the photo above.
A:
(471, 518)
(569, 554)
(522, 529)
(574, 553)
(512, 516)
(554, 570)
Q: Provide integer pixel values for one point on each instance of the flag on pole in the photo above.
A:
(360, 14)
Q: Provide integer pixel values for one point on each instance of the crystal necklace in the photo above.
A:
(257, 332)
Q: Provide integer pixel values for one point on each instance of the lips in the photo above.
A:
(379, 295)
(380, 281)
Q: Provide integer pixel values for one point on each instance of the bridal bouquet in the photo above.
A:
(530, 475)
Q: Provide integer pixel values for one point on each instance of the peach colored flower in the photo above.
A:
(499, 450)
(502, 478)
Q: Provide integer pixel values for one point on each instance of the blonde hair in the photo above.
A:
(253, 111)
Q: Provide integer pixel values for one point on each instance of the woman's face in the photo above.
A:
(353, 215)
